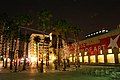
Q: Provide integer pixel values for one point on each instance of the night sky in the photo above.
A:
(91, 15)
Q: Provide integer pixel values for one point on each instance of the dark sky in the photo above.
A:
(91, 15)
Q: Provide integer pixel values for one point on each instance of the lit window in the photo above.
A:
(85, 58)
(96, 32)
(100, 58)
(110, 58)
(70, 55)
(80, 58)
(70, 59)
(119, 57)
(91, 34)
(92, 59)
(103, 31)
(99, 31)
(88, 35)
(79, 54)
(109, 50)
(106, 31)
(100, 51)
(85, 53)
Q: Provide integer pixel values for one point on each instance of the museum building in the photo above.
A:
(97, 50)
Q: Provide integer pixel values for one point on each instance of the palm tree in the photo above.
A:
(9, 33)
(37, 40)
(44, 20)
(61, 31)
(22, 20)
(13, 36)
(4, 18)
(47, 40)
(26, 38)
(76, 31)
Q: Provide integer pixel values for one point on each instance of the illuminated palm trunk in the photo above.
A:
(2, 51)
(25, 48)
(11, 53)
(58, 51)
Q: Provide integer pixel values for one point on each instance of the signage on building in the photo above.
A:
(104, 43)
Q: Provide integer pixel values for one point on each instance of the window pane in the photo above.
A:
(80, 58)
(85, 58)
(100, 51)
(119, 57)
(100, 58)
(109, 50)
(85, 53)
(110, 58)
(92, 59)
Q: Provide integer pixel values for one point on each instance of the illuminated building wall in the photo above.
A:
(102, 49)
(32, 55)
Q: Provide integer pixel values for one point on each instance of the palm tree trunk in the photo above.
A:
(3, 50)
(5, 54)
(58, 51)
(42, 55)
(37, 53)
(25, 48)
(11, 52)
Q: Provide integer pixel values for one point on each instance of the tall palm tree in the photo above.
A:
(44, 24)
(26, 41)
(20, 21)
(44, 20)
(13, 36)
(4, 19)
(61, 31)
(76, 31)
(9, 33)
(47, 41)
(37, 40)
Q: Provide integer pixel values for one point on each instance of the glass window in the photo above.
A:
(100, 51)
(70, 55)
(85, 53)
(92, 59)
(109, 50)
(110, 58)
(85, 59)
(80, 58)
(100, 58)
(80, 54)
(119, 57)
(70, 59)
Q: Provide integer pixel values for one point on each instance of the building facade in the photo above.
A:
(102, 49)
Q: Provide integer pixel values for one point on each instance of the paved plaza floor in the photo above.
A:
(49, 76)
(34, 74)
